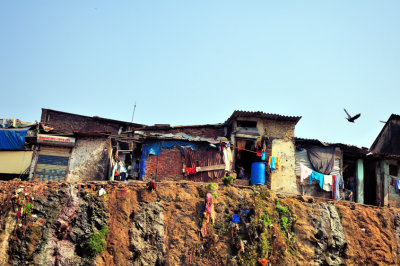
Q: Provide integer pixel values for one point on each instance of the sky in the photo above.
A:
(195, 62)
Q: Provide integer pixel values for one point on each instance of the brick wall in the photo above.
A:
(169, 165)
(69, 123)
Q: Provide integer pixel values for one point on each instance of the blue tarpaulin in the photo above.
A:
(154, 148)
(145, 154)
(182, 145)
(12, 139)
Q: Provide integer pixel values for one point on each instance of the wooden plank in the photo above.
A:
(210, 168)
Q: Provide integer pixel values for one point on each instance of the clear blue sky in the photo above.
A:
(194, 62)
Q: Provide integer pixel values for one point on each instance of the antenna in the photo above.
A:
(134, 108)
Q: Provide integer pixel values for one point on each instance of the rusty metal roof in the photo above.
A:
(167, 126)
(392, 117)
(345, 147)
(260, 114)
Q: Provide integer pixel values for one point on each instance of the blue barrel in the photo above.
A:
(258, 173)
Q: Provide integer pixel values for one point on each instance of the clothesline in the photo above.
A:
(284, 156)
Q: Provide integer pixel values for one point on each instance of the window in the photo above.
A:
(393, 169)
(247, 123)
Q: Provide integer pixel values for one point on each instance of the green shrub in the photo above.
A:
(212, 185)
(97, 241)
(228, 180)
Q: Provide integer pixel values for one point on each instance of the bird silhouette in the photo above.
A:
(350, 118)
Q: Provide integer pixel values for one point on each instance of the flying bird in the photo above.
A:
(350, 118)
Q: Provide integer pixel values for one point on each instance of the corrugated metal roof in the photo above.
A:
(167, 126)
(260, 114)
(346, 147)
(392, 117)
(94, 117)
(181, 136)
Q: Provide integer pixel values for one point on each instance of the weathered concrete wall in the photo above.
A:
(277, 129)
(89, 160)
(393, 198)
(271, 128)
(284, 178)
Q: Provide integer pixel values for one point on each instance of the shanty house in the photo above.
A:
(345, 162)
(385, 163)
(77, 148)
(15, 152)
(275, 134)
(168, 150)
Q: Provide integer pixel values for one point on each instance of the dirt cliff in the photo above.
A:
(71, 224)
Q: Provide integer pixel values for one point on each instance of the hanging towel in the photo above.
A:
(315, 176)
(230, 155)
(335, 188)
(304, 172)
(397, 186)
(272, 165)
(277, 162)
(226, 160)
(327, 183)
(264, 153)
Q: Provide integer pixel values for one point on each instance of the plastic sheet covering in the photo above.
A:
(182, 145)
(322, 158)
(12, 139)
(154, 148)
(143, 161)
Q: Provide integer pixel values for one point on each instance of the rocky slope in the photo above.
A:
(70, 224)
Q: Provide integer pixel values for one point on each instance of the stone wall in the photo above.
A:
(89, 160)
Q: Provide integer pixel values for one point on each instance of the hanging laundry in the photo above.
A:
(226, 160)
(335, 188)
(327, 186)
(277, 163)
(259, 153)
(272, 163)
(397, 186)
(304, 172)
(393, 181)
(263, 156)
(315, 176)
(190, 171)
(230, 154)
(339, 179)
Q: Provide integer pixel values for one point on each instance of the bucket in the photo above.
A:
(258, 173)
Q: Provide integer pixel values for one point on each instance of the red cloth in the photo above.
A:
(392, 181)
(334, 187)
(190, 171)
